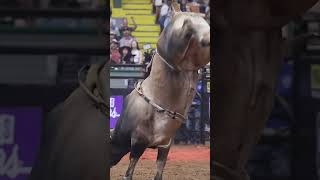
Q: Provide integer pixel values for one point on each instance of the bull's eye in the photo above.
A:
(188, 35)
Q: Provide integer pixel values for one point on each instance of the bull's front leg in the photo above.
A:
(137, 150)
(163, 152)
(130, 170)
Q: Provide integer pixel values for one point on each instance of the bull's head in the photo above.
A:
(185, 42)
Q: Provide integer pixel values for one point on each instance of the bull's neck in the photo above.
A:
(169, 88)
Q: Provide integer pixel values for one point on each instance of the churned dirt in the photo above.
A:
(185, 162)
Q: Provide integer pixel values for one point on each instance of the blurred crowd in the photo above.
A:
(67, 65)
(124, 48)
(65, 22)
(164, 13)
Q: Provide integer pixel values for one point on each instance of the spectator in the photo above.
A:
(157, 4)
(125, 26)
(125, 55)
(114, 28)
(208, 14)
(202, 6)
(193, 123)
(168, 19)
(193, 6)
(164, 13)
(112, 36)
(149, 63)
(115, 55)
(183, 6)
(126, 40)
(136, 53)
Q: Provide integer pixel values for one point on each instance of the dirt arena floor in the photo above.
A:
(185, 162)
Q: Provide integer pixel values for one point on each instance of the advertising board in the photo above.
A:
(20, 131)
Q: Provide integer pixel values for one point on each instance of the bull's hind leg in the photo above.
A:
(163, 152)
(136, 152)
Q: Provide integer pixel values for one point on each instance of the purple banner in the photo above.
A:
(115, 109)
(20, 131)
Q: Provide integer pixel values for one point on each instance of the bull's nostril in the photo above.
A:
(205, 42)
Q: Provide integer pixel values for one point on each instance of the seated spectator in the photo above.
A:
(126, 40)
(112, 36)
(136, 53)
(125, 52)
(183, 6)
(203, 6)
(193, 7)
(115, 55)
(114, 28)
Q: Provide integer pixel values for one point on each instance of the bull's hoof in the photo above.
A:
(127, 178)
(157, 177)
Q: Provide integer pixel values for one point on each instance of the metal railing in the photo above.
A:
(127, 71)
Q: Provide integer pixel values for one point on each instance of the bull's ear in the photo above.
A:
(175, 7)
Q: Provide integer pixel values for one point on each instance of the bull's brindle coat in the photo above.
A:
(183, 48)
(74, 142)
(247, 59)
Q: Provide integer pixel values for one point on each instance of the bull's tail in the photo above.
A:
(117, 152)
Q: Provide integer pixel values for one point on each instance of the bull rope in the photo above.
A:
(174, 115)
(98, 100)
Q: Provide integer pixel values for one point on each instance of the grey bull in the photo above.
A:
(74, 143)
(157, 107)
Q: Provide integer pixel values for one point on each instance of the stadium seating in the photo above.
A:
(147, 31)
